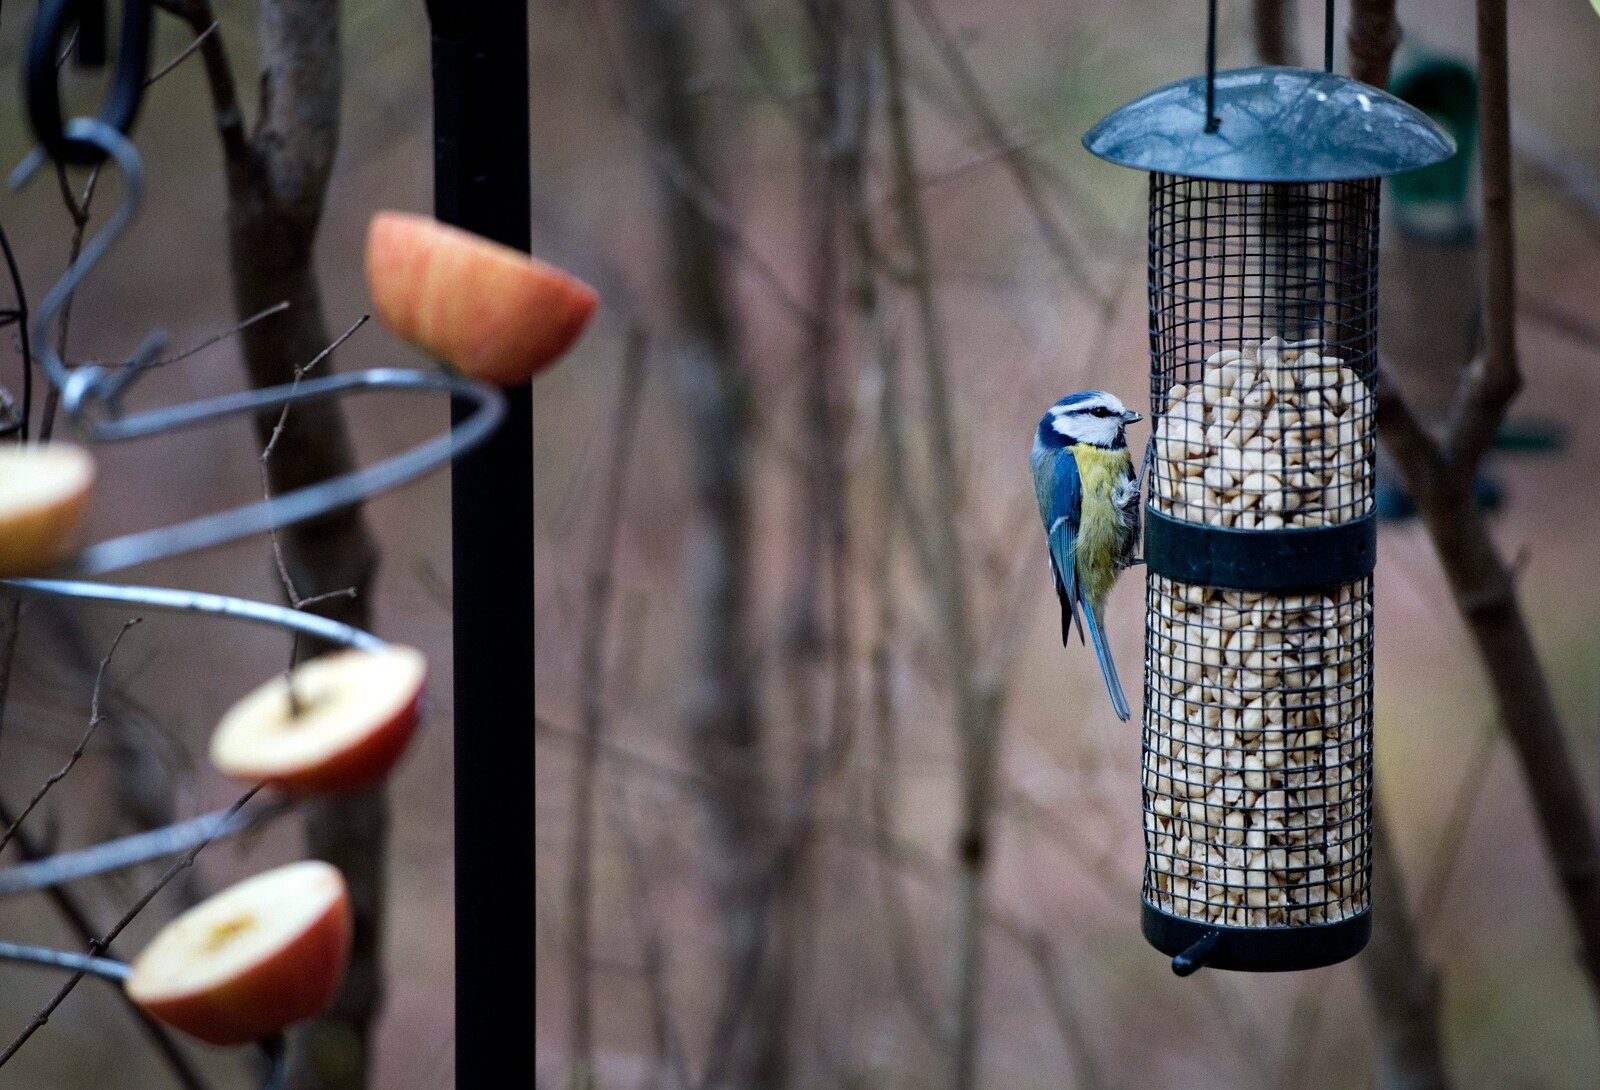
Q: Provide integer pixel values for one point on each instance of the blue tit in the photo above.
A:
(1088, 498)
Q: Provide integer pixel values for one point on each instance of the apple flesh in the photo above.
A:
(44, 489)
(497, 314)
(259, 956)
(350, 718)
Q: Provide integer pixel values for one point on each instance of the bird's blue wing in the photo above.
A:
(1065, 507)
(1066, 502)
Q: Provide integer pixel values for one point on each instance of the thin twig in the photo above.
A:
(98, 946)
(600, 584)
(95, 719)
(301, 372)
(215, 338)
(690, 185)
(653, 952)
(976, 719)
(187, 52)
(289, 588)
(996, 137)
(72, 911)
(1436, 882)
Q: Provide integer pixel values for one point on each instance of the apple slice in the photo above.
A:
(43, 492)
(494, 312)
(257, 957)
(352, 714)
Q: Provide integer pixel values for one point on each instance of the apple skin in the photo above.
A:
(33, 541)
(495, 313)
(369, 760)
(297, 982)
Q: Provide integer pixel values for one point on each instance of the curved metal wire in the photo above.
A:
(137, 848)
(304, 503)
(194, 601)
(104, 968)
(91, 396)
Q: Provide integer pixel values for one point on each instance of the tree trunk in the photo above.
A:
(277, 179)
(1273, 23)
(749, 1046)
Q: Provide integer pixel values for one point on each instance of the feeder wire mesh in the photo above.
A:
(1263, 303)
(1257, 747)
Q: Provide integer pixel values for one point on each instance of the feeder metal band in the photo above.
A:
(1281, 560)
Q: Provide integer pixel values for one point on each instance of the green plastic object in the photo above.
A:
(1435, 203)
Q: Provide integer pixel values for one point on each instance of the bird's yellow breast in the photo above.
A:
(1102, 530)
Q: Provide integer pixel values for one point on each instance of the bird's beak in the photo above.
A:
(1131, 417)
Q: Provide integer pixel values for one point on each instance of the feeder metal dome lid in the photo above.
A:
(1275, 124)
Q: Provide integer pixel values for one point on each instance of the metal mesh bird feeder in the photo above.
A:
(1260, 540)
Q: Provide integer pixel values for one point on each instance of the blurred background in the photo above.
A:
(802, 753)
(1036, 253)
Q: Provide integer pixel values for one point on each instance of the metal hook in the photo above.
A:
(41, 78)
(91, 396)
(80, 384)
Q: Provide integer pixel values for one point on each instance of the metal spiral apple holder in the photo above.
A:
(1259, 530)
(92, 399)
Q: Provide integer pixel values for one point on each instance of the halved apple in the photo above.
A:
(259, 956)
(494, 312)
(348, 721)
(44, 489)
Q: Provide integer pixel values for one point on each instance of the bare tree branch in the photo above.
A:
(95, 719)
(187, 52)
(1018, 164)
(726, 730)
(1273, 23)
(1373, 36)
(591, 685)
(1494, 378)
(1401, 986)
(98, 946)
(277, 178)
(1439, 476)
(976, 708)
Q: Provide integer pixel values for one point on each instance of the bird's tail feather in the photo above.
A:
(1108, 668)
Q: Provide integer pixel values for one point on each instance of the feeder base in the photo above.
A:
(1254, 949)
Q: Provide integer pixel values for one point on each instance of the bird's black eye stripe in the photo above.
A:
(1100, 410)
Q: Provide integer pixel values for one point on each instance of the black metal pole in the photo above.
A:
(481, 164)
